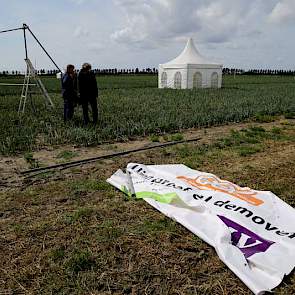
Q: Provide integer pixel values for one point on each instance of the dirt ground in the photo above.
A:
(10, 167)
(69, 232)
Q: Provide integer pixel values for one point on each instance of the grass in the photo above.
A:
(57, 254)
(289, 115)
(33, 163)
(261, 118)
(80, 261)
(133, 106)
(176, 137)
(70, 232)
(243, 143)
(248, 150)
(156, 228)
(78, 215)
(88, 185)
(75, 234)
(155, 138)
(67, 155)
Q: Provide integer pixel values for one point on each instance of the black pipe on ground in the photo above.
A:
(94, 159)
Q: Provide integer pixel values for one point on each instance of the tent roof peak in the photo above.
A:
(190, 55)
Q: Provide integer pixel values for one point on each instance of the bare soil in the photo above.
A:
(69, 232)
(10, 167)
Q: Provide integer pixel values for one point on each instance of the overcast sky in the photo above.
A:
(143, 33)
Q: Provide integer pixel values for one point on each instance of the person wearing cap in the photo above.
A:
(88, 92)
(69, 92)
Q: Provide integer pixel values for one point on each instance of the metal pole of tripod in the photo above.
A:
(25, 40)
(11, 30)
(27, 27)
(26, 54)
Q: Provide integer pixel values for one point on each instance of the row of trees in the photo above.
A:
(136, 71)
(154, 71)
(228, 71)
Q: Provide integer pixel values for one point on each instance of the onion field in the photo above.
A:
(133, 106)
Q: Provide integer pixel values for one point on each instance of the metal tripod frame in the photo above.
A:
(31, 71)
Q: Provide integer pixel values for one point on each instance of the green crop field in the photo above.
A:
(67, 231)
(132, 106)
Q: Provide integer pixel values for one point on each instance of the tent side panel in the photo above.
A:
(192, 73)
(187, 76)
(172, 73)
(206, 75)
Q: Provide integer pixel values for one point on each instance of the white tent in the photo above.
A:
(190, 70)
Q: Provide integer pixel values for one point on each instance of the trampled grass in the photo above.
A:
(127, 110)
(75, 234)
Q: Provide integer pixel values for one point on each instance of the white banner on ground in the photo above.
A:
(252, 231)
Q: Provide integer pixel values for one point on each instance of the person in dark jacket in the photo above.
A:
(69, 92)
(88, 92)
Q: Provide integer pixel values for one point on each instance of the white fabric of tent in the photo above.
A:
(190, 70)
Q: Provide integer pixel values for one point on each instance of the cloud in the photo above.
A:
(240, 33)
(78, 2)
(81, 31)
(283, 12)
(151, 23)
(96, 46)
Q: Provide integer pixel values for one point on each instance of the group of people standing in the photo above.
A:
(82, 90)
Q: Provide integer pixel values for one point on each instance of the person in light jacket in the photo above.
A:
(88, 92)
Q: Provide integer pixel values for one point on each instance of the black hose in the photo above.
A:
(94, 159)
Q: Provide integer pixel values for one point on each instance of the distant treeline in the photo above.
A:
(136, 71)
(154, 71)
(228, 71)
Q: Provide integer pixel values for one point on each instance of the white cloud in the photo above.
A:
(237, 33)
(78, 2)
(283, 12)
(96, 46)
(81, 31)
(149, 24)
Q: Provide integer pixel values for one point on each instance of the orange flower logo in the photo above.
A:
(212, 182)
